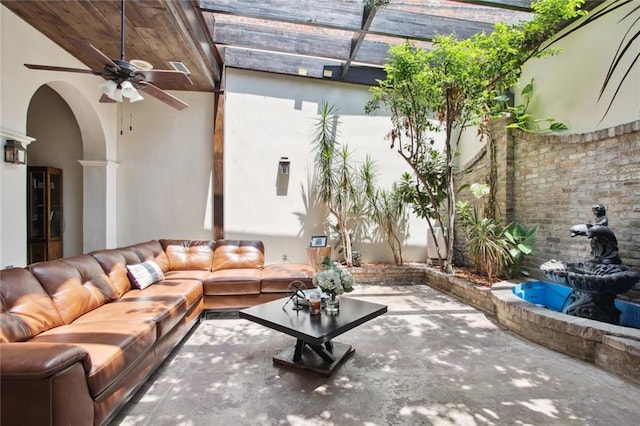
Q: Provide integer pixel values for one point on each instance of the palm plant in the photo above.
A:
(335, 177)
(486, 242)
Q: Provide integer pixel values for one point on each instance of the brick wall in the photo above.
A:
(551, 182)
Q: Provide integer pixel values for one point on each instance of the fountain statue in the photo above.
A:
(596, 282)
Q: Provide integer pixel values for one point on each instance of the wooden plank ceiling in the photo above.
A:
(336, 39)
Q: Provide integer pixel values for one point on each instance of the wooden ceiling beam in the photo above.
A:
(188, 19)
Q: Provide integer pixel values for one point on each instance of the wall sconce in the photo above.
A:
(14, 152)
(283, 166)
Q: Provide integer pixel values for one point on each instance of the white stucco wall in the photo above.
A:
(270, 116)
(166, 164)
(567, 86)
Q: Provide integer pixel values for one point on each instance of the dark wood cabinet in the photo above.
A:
(44, 214)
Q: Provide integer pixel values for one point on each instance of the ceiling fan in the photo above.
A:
(125, 78)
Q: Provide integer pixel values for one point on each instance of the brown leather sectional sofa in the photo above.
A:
(77, 339)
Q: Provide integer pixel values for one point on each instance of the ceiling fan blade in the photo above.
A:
(104, 99)
(166, 76)
(65, 69)
(163, 96)
(97, 55)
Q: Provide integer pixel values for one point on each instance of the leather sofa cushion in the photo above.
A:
(152, 250)
(233, 282)
(114, 262)
(189, 274)
(164, 310)
(189, 254)
(76, 285)
(112, 347)
(277, 277)
(238, 254)
(25, 307)
(190, 289)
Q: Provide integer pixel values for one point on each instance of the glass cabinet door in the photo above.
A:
(55, 214)
(37, 204)
(45, 222)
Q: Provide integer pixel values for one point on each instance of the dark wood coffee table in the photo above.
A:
(314, 349)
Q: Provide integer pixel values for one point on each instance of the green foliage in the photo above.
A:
(521, 242)
(457, 83)
(334, 176)
(486, 242)
(427, 192)
(495, 249)
(525, 121)
(376, 3)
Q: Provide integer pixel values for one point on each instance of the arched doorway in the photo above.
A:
(70, 135)
(59, 144)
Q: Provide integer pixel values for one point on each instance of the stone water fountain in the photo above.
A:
(596, 282)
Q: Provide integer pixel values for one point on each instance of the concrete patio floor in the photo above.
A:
(430, 360)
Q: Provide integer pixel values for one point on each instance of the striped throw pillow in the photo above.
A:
(142, 275)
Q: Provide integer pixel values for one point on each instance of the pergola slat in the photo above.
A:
(299, 65)
(420, 26)
(281, 40)
(338, 14)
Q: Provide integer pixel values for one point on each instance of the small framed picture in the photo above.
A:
(319, 241)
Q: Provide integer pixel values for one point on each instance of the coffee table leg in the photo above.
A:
(325, 354)
(297, 355)
(329, 346)
(325, 363)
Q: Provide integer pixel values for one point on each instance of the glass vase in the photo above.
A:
(333, 305)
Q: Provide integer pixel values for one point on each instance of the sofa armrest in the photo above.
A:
(39, 360)
(44, 384)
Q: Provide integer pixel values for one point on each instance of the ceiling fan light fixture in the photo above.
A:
(117, 95)
(136, 97)
(141, 65)
(109, 87)
(128, 91)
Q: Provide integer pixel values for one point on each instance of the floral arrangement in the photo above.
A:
(334, 279)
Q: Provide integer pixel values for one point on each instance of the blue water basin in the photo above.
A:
(556, 297)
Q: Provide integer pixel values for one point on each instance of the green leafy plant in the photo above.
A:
(494, 248)
(486, 242)
(521, 242)
(527, 122)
